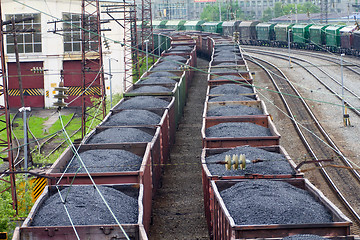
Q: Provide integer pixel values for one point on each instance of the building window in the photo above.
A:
(28, 35)
(73, 33)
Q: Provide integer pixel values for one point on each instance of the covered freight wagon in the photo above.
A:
(356, 43)
(193, 25)
(265, 33)
(229, 27)
(317, 36)
(282, 33)
(158, 24)
(332, 37)
(176, 25)
(247, 31)
(212, 27)
(346, 38)
(301, 35)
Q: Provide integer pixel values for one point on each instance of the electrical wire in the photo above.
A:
(288, 116)
(76, 153)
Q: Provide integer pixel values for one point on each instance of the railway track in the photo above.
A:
(351, 100)
(46, 146)
(343, 179)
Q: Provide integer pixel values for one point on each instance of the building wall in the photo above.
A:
(53, 54)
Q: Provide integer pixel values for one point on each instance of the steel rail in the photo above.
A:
(351, 106)
(303, 138)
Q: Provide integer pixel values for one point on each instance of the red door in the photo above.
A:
(32, 81)
(73, 80)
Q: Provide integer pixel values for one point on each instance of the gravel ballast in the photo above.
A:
(87, 208)
(257, 202)
(237, 129)
(120, 135)
(231, 89)
(231, 97)
(304, 237)
(273, 163)
(151, 89)
(233, 110)
(106, 160)
(133, 117)
(143, 102)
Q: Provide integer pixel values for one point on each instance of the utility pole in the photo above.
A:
(23, 109)
(90, 37)
(6, 143)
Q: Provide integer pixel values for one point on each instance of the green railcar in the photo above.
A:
(332, 36)
(176, 25)
(212, 27)
(301, 34)
(159, 24)
(193, 25)
(265, 32)
(317, 35)
(282, 32)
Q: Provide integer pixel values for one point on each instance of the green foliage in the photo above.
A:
(6, 209)
(267, 15)
(8, 214)
(142, 65)
(42, 160)
(229, 11)
(280, 10)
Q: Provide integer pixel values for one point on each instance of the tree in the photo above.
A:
(267, 15)
(228, 12)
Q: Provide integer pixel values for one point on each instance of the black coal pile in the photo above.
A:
(304, 237)
(226, 58)
(226, 53)
(223, 70)
(106, 160)
(133, 117)
(233, 110)
(256, 202)
(120, 135)
(237, 129)
(166, 66)
(182, 48)
(271, 164)
(231, 97)
(157, 80)
(228, 77)
(174, 58)
(162, 74)
(87, 208)
(231, 89)
(151, 89)
(226, 48)
(143, 102)
(231, 63)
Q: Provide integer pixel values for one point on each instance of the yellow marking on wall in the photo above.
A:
(27, 92)
(76, 91)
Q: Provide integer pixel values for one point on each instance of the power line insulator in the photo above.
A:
(61, 95)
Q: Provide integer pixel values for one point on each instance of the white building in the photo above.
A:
(55, 51)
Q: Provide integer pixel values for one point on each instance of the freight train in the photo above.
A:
(334, 38)
(126, 153)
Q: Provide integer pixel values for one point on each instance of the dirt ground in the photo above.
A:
(178, 211)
